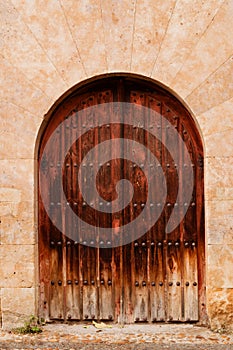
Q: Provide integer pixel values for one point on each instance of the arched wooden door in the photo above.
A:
(158, 276)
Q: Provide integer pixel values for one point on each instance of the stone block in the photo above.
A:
(220, 308)
(184, 29)
(18, 226)
(17, 179)
(212, 121)
(17, 266)
(203, 60)
(220, 266)
(20, 130)
(18, 304)
(218, 178)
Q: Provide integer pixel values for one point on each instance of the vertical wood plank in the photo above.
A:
(190, 283)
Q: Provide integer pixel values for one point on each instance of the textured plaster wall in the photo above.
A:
(49, 46)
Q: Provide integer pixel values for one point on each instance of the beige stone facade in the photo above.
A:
(47, 47)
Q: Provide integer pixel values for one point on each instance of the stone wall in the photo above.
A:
(49, 46)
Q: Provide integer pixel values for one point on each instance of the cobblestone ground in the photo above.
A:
(130, 337)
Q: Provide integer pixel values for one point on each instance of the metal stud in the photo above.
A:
(137, 319)
(101, 281)
(59, 203)
(59, 243)
(109, 242)
(178, 284)
(84, 204)
(143, 205)
(186, 244)
(169, 244)
(109, 282)
(187, 284)
(68, 243)
(143, 244)
(69, 317)
(69, 282)
(177, 244)
(161, 284)
(193, 204)
(144, 283)
(85, 282)
(195, 284)
(168, 165)
(136, 283)
(59, 282)
(52, 244)
(75, 242)
(152, 244)
(76, 282)
(153, 284)
(136, 244)
(86, 317)
(151, 205)
(168, 204)
(135, 205)
(170, 284)
(52, 283)
(154, 319)
(91, 242)
(93, 282)
(193, 244)
(159, 244)
(84, 242)
(101, 242)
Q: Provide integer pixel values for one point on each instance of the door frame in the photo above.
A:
(150, 83)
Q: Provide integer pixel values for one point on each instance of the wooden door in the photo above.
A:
(157, 277)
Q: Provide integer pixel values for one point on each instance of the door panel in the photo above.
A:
(154, 278)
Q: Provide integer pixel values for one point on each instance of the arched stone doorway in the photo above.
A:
(158, 275)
